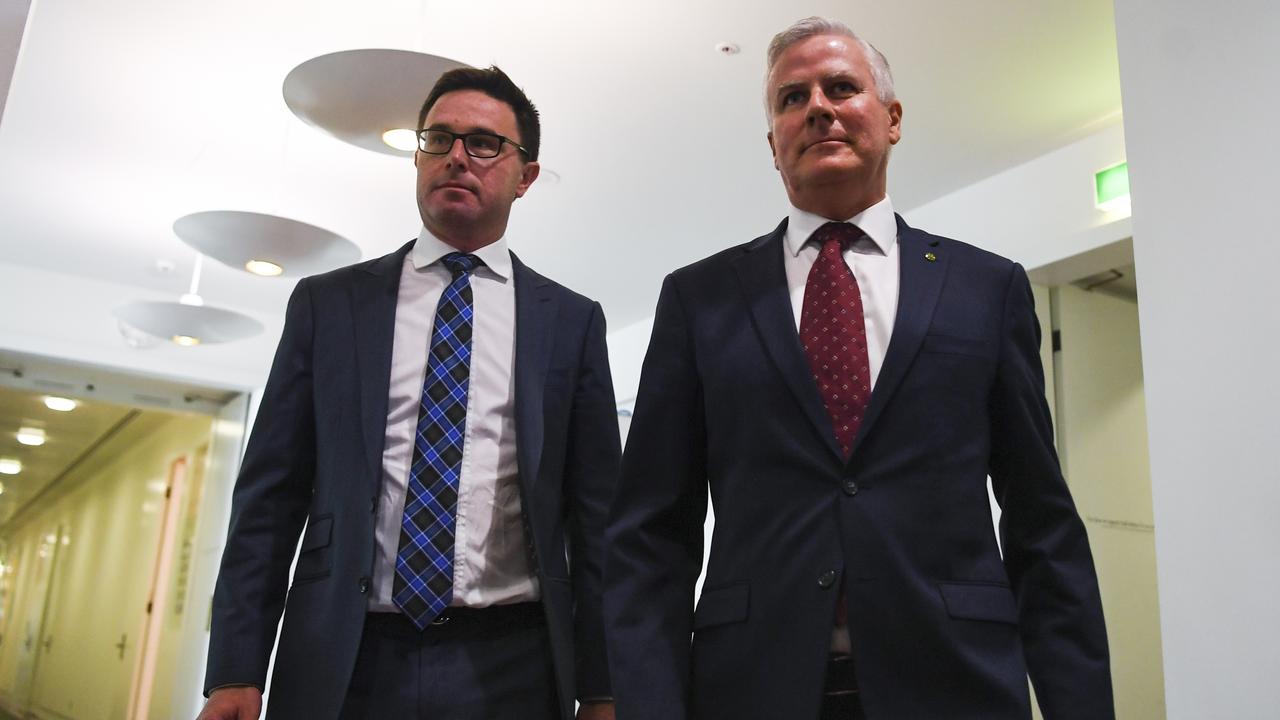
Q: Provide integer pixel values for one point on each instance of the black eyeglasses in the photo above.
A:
(477, 144)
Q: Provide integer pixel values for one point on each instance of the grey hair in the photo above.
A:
(813, 26)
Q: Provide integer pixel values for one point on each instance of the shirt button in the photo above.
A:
(850, 488)
(827, 579)
(364, 585)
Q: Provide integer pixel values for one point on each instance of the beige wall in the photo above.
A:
(108, 520)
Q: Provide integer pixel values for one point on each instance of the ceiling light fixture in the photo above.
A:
(9, 466)
(265, 245)
(265, 268)
(60, 404)
(402, 139)
(356, 95)
(31, 436)
(188, 322)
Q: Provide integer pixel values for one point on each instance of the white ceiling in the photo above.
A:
(125, 115)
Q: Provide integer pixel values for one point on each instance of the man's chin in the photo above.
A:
(454, 212)
(832, 169)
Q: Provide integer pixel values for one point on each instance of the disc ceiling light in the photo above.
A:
(369, 98)
(188, 321)
(266, 245)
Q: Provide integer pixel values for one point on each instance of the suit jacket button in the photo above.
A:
(364, 585)
(850, 488)
(827, 579)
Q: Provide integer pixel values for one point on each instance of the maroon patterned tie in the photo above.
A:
(834, 335)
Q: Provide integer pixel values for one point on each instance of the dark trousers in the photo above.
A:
(486, 664)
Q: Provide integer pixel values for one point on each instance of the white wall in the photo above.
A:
(1200, 117)
(1037, 213)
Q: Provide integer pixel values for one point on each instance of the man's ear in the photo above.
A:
(772, 150)
(527, 176)
(895, 122)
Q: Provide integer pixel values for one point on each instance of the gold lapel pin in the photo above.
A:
(931, 257)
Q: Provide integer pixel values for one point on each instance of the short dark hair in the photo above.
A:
(492, 82)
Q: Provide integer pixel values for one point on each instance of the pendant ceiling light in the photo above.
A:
(188, 321)
(267, 245)
(364, 96)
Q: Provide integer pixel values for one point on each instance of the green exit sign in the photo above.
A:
(1111, 187)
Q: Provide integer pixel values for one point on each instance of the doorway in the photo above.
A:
(104, 579)
(1095, 373)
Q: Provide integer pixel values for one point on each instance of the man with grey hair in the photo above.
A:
(843, 386)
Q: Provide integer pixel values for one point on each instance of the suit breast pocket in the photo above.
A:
(953, 345)
(314, 557)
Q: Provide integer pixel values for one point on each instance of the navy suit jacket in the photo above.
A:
(315, 457)
(941, 625)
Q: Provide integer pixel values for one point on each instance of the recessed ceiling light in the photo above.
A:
(60, 404)
(31, 436)
(401, 139)
(265, 268)
(9, 466)
(186, 340)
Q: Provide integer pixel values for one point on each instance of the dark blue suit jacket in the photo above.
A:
(942, 626)
(315, 456)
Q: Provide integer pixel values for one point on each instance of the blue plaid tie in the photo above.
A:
(423, 585)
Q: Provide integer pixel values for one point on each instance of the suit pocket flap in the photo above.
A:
(318, 531)
(722, 605)
(952, 345)
(975, 601)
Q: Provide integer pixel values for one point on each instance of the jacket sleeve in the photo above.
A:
(591, 474)
(268, 509)
(1046, 550)
(655, 528)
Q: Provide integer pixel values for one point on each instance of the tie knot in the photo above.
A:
(841, 233)
(461, 263)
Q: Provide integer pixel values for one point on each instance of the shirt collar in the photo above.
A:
(430, 249)
(877, 221)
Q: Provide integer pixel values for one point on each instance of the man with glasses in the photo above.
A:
(442, 419)
(842, 387)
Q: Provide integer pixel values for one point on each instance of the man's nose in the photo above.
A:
(819, 108)
(458, 153)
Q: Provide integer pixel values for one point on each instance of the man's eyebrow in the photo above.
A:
(468, 130)
(785, 88)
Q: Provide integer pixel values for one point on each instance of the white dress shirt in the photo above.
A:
(874, 262)
(491, 561)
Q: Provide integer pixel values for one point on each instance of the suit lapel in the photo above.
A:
(536, 308)
(764, 281)
(920, 284)
(373, 310)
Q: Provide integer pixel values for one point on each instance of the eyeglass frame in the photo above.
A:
(422, 140)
